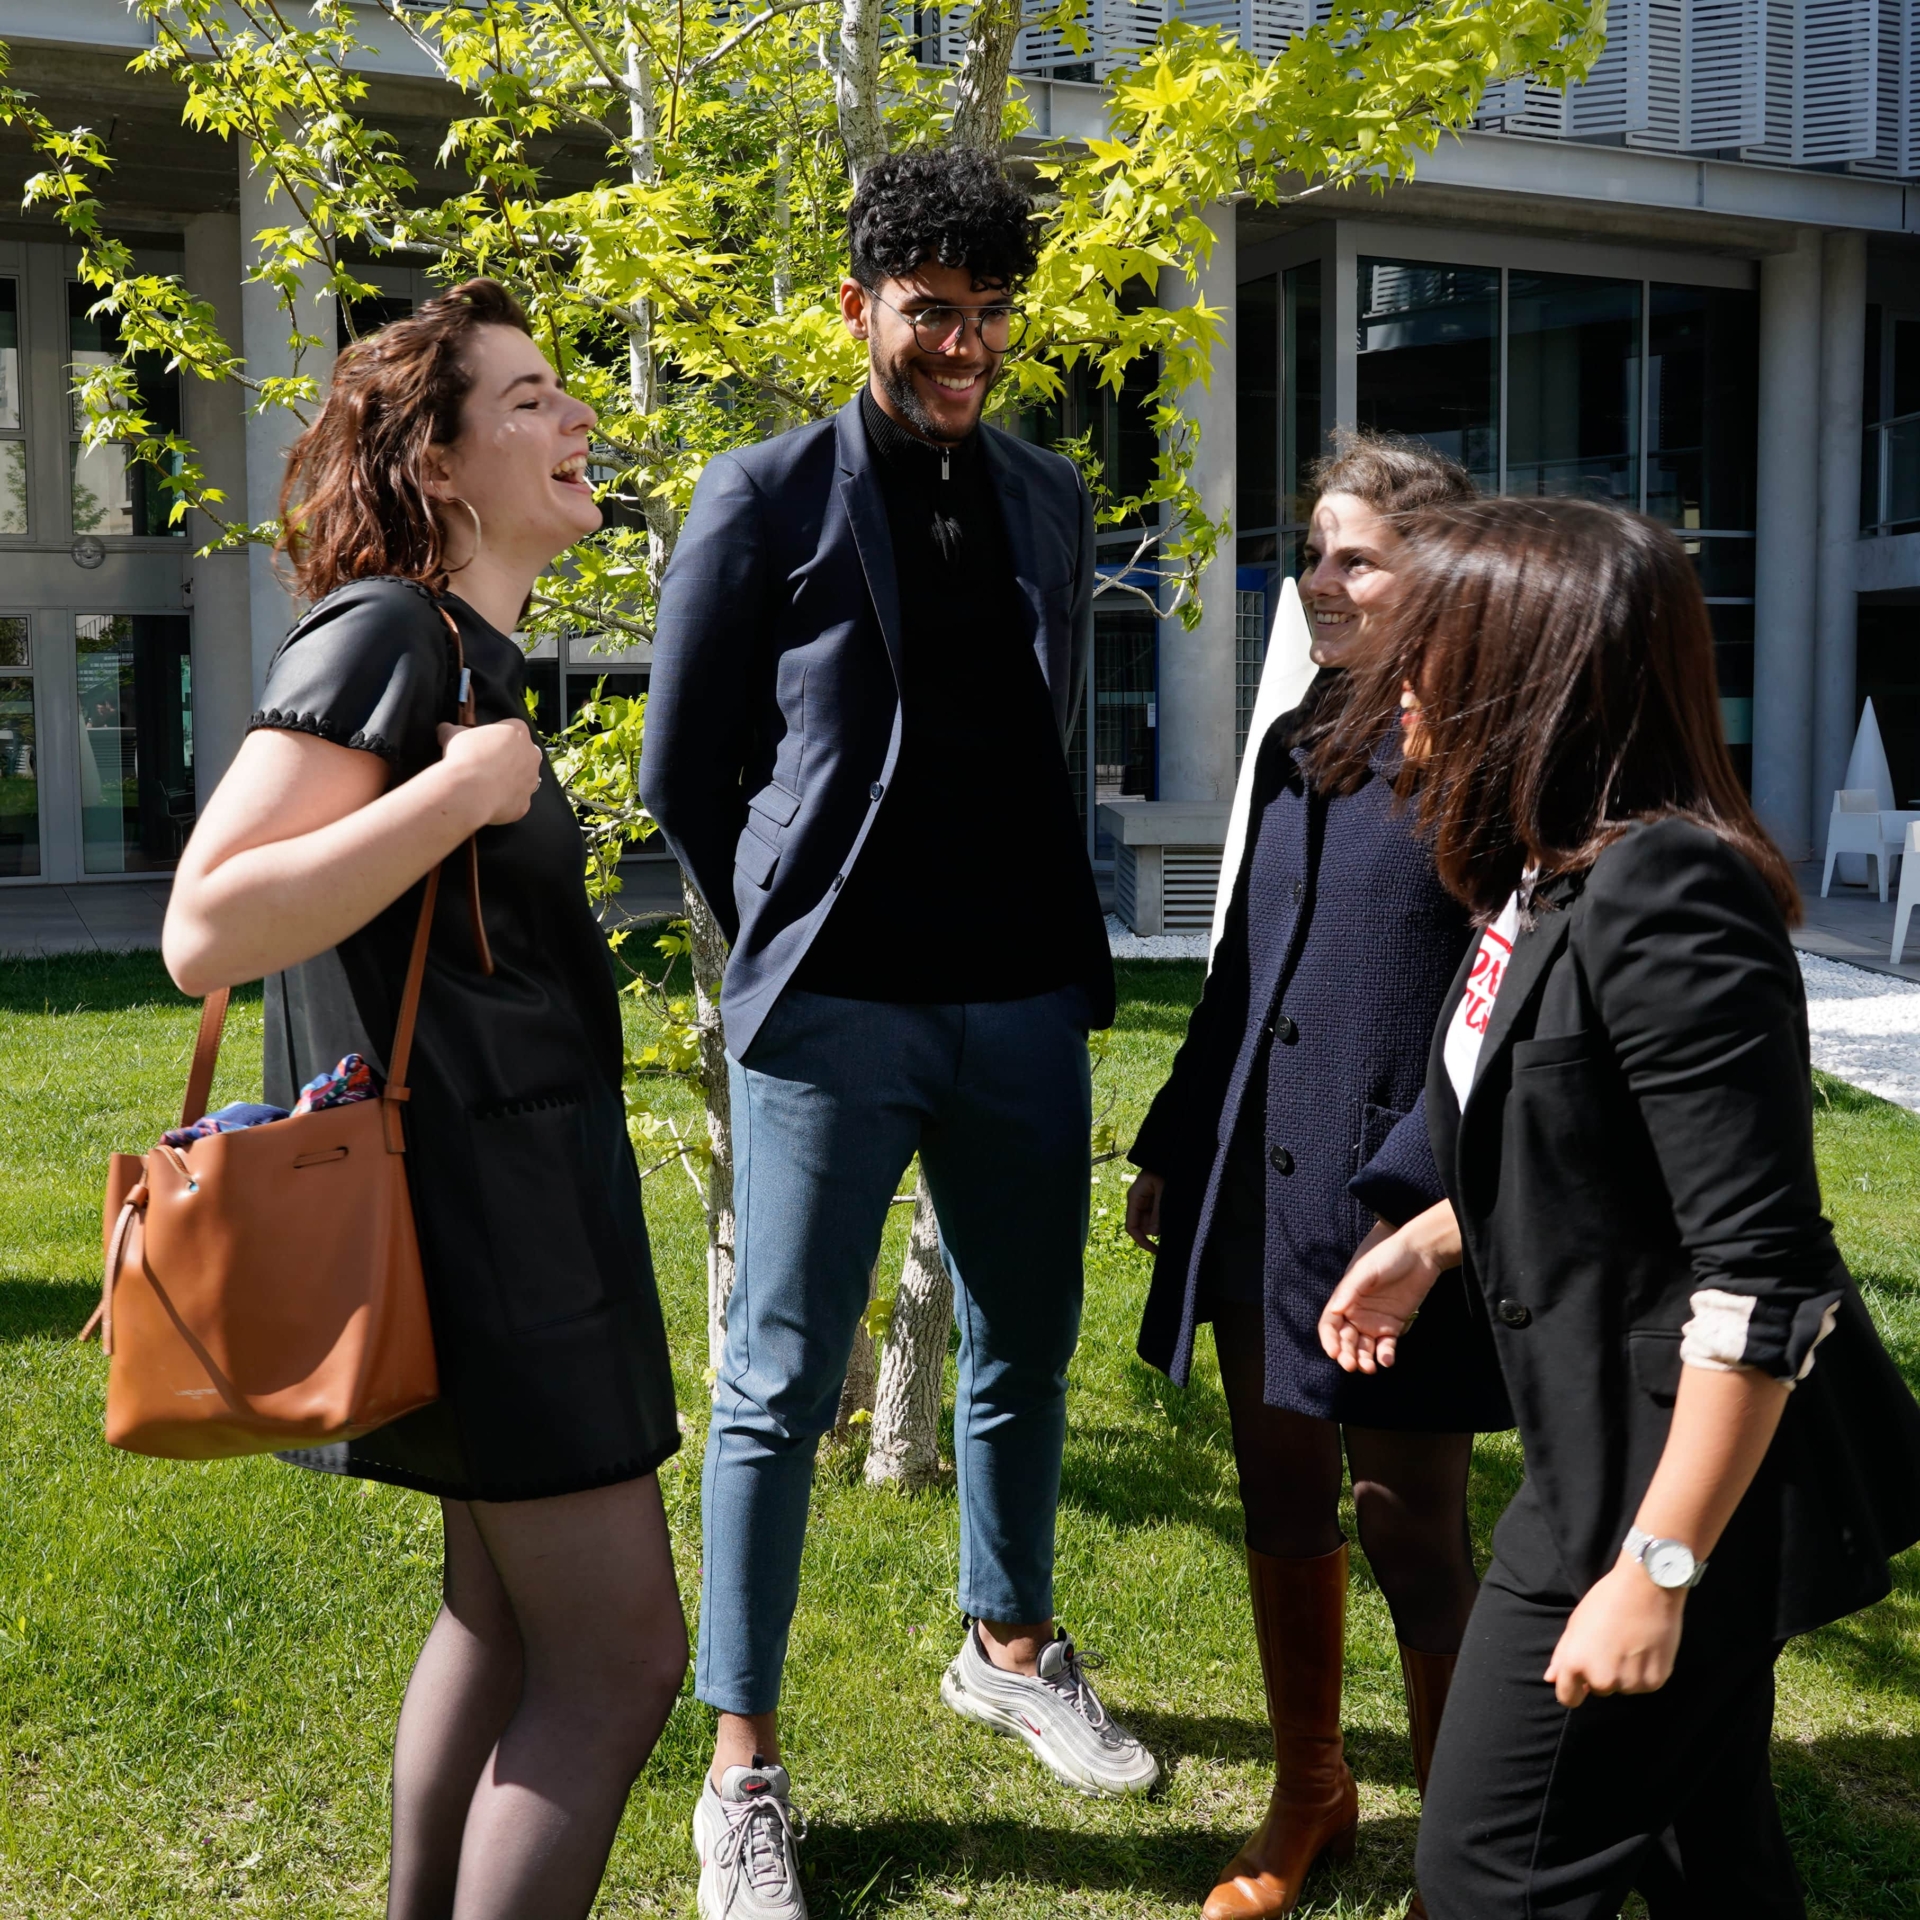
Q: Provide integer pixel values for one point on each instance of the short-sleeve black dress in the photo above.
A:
(554, 1374)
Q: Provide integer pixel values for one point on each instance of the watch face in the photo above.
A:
(1669, 1564)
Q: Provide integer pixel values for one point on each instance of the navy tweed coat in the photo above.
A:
(1339, 950)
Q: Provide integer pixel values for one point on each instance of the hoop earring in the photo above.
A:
(479, 533)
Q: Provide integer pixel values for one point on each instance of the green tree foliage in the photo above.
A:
(688, 288)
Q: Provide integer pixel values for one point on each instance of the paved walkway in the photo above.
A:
(122, 916)
(1852, 925)
(116, 916)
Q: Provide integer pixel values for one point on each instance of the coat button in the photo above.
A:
(837, 878)
(1285, 1031)
(1298, 889)
(1514, 1313)
(1280, 1159)
(875, 791)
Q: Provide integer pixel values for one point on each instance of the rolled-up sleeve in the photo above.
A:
(1700, 996)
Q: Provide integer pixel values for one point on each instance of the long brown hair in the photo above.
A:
(355, 503)
(1564, 665)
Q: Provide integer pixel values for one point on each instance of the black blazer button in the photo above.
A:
(875, 791)
(1280, 1159)
(1285, 1031)
(1298, 889)
(837, 879)
(1514, 1313)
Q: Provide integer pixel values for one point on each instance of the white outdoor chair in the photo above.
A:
(1909, 891)
(1854, 827)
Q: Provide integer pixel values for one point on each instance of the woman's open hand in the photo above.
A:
(1622, 1638)
(1392, 1271)
(1143, 1211)
(500, 762)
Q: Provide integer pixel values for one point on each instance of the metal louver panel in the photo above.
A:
(1723, 68)
(1666, 41)
(1896, 150)
(1823, 67)
(1611, 100)
(1263, 27)
(1117, 30)
(1189, 878)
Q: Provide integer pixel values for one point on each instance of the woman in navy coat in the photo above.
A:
(1304, 1057)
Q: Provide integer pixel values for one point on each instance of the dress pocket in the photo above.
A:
(550, 1228)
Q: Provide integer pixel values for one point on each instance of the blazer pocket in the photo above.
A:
(754, 859)
(775, 803)
(1557, 1050)
(1653, 1354)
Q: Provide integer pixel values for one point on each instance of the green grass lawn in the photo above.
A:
(200, 1666)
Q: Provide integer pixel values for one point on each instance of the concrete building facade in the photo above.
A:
(1691, 287)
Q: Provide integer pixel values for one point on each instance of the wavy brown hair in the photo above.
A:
(355, 503)
(1389, 471)
(1563, 660)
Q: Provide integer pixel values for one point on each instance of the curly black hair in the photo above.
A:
(952, 206)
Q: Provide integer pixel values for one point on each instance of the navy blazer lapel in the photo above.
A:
(867, 516)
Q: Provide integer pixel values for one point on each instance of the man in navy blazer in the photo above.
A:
(871, 644)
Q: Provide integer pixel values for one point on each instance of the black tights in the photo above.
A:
(1409, 1492)
(553, 1665)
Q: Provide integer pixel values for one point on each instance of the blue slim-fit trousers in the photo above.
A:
(830, 1104)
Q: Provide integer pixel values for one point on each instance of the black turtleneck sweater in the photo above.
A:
(974, 882)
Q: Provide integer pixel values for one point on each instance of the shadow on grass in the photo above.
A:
(1853, 1817)
(45, 1309)
(1876, 1649)
(94, 983)
(1133, 1478)
(1156, 996)
(876, 1868)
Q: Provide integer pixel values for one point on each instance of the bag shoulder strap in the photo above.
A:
(468, 718)
(213, 1019)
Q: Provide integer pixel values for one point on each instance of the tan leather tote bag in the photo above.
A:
(263, 1288)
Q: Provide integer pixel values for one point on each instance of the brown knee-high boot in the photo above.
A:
(1427, 1677)
(1299, 1616)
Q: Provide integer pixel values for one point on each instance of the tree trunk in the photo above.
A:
(856, 85)
(981, 90)
(903, 1449)
(856, 1394)
(709, 962)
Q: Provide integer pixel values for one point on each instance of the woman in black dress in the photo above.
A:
(448, 453)
(1621, 1105)
(1282, 1133)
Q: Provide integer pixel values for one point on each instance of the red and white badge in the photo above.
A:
(1467, 1030)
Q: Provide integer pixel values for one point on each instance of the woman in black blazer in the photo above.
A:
(1307, 1048)
(1621, 1106)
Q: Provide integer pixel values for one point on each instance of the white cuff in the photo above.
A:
(1716, 1336)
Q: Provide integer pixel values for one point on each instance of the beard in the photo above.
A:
(897, 378)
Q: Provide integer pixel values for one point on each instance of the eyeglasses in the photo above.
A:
(943, 329)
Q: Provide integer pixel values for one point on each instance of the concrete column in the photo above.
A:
(1788, 543)
(265, 328)
(216, 425)
(1843, 347)
(1196, 693)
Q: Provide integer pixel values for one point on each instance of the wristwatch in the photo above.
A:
(1667, 1563)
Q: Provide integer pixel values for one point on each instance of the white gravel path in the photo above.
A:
(1865, 1026)
(1127, 945)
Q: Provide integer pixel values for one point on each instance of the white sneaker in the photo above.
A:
(1056, 1712)
(745, 1835)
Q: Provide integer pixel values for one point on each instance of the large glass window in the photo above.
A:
(19, 755)
(13, 448)
(1703, 405)
(112, 492)
(1256, 334)
(133, 674)
(1302, 415)
(1429, 358)
(1573, 387)
(1124, 636)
